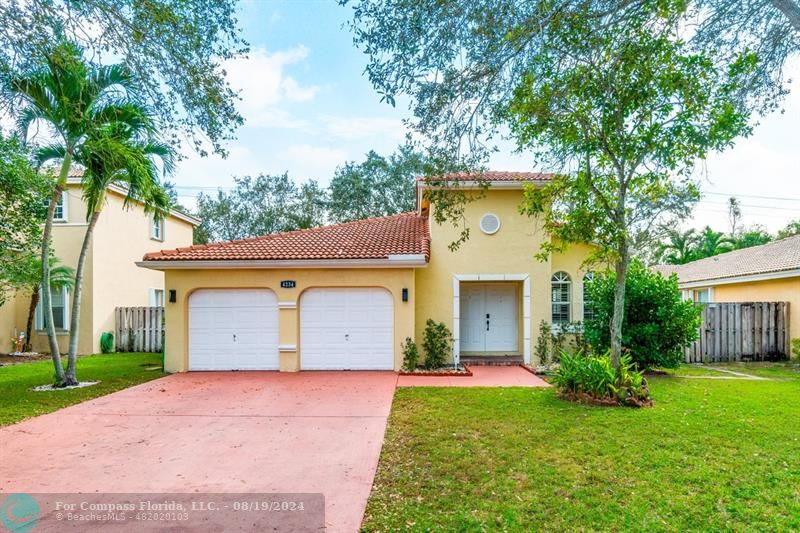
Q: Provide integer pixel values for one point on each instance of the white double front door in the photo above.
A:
(489, 317)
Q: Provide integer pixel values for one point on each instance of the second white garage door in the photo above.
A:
(347, 329)
(233, 329)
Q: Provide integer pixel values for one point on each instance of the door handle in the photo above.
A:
(487, 325)
(347, 336)
(234, 337)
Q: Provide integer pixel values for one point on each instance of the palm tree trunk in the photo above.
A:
(47, 300)
(75, 315)
(47, 307)
(31, 314)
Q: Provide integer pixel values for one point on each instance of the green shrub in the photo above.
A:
(593, 375)
(410, 355)
(107, 342)
(657, 324)
(542, 349)
(796, 348)
(437, 341)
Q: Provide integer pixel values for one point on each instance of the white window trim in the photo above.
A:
(153, 298)
(583, 295)
(162, 227)
(39, 313)
(710, 291)
(64, 209)
(526, 309)
(557, 327)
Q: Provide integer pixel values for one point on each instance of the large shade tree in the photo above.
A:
(72, 98)
(615, 101)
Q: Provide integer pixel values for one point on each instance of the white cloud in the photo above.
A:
(354, 128)
(305, 161)
(263, 85)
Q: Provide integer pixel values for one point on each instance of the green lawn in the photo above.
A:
(114, 371)
(711, 455)
(779, 370)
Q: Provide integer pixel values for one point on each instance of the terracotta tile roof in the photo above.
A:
(776, 256)
(372, 238)
(494, 175)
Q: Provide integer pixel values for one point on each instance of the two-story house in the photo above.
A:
(346, 296)
(122, 235)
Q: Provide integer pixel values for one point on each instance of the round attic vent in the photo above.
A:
(490, 223)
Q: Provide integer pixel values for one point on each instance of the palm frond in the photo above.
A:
(108, 76)
(135, 116)
(62, 276)
(49, 153)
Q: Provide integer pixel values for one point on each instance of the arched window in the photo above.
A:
(561, 290)
(588, 307)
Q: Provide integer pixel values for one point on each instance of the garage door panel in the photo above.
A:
(347, 328)
(233, 329)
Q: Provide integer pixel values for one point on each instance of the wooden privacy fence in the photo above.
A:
(139, 329)
(741, 330)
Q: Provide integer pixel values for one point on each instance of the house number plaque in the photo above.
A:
(288, 284)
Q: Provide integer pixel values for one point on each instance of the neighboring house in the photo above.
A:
(766, 273)
(346, 296)
(121, 237)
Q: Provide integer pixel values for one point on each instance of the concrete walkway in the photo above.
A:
(307, 432)
(730, 374)
(482, 376)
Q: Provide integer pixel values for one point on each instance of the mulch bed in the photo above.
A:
(584, 398)
(446, 371)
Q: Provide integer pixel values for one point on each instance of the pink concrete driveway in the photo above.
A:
(213, 432)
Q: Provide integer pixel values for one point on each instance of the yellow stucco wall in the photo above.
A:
(120, 240)
(111, 278)
(184, 282)
(510, 251)
(776, 290)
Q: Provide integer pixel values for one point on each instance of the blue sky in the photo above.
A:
(309, 108)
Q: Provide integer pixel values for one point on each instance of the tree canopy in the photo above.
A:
(258, 206)
(174, 48)
(23, 196)
(377, 186)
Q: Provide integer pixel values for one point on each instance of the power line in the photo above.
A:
(784, 198)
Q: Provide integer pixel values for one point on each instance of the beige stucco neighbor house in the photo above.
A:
(766, 273)
(111, 279)
(346, 296)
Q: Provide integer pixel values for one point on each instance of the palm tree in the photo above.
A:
(711, 243)
(116, 154)
(680, 248)
(60, 276)
(74, 98)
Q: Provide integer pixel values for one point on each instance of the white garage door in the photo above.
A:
(347, 329)
(233, 329)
